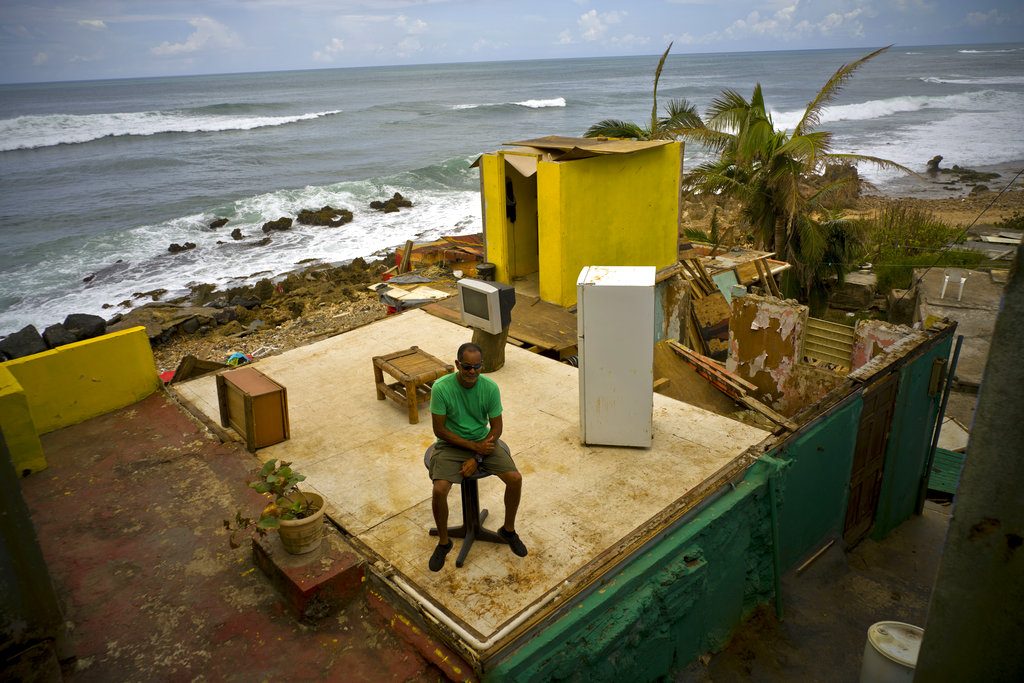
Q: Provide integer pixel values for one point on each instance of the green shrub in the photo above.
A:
(904, 238)
(1014, 222)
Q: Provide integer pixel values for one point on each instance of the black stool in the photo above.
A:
(472, 527)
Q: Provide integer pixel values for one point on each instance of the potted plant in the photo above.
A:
(297, 515)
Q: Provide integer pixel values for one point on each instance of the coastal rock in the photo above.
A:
(58, 335)
(85, 325)
(282, 223)
(262, 242)
(933, 164)
(163, 321)
(24, 342)
(391, 205)
(245, 301)
(219, 223)
(327, 215)
(176, 248)
(236, 234)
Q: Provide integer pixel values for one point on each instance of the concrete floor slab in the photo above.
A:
(578, 501)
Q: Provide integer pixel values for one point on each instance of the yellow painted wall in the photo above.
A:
(73, 383)
(496, 237)
(614, 210)
(18, 429)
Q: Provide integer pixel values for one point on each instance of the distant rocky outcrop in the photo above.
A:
(327, 215)
(24, 342)
(282, 223)
(219, 223)
(391, 205)
(933, 164)
(236, 234)
(176, 248)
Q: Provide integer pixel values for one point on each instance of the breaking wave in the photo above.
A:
(31, 132)
(875, 109)
(530, 104)
(983, 52)
(990, 80)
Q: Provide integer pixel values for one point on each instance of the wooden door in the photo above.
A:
(869, 458)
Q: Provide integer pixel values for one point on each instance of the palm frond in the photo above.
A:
(727, 111)
(812, 114)
(878, 162)
(616, 128)
(657, 77)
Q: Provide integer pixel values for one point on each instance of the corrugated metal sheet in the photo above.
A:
(828, 342)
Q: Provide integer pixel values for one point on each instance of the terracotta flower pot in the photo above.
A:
(300, 536)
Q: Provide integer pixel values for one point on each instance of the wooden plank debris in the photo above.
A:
(731, 385)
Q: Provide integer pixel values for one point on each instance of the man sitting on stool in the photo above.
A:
(466, 412)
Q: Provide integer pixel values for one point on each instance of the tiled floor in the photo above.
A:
(578, 501)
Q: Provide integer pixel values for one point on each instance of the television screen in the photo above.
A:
(475, 303)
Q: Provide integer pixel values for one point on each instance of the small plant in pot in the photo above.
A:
(297, 515)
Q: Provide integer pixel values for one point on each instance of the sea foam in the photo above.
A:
(31, 132)
(530, 104)
(990, 80)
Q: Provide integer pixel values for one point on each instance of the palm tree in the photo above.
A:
(768, 170)
(680, 116)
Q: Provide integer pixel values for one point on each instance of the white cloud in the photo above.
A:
(96, 24)
(487, 44)
(784, 24)
(40, 58)
(990, 18)
(565, 37)
(408, 46)
(329, 51)
(412, 27)
(630, 40)
(593, 26)
(208, 34)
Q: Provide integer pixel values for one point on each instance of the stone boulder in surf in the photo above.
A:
(58, 335)
(282, 223)
(176, 248)
(392, 205)
(327, 215)
(85, 325)
(219, 223)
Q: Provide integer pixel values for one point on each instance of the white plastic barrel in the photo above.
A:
(890, 654)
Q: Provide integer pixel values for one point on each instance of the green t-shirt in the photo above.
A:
(468, 412)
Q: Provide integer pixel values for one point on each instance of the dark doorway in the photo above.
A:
(869, 458)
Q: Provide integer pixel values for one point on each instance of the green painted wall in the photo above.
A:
(909, 441)
(815, 486)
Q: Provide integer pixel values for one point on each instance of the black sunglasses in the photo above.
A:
(470, 366)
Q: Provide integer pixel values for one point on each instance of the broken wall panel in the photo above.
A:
(765, 341)
(872, 337)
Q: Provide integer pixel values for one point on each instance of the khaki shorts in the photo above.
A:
(446, 461)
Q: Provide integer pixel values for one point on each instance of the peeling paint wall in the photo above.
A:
(671, 308)
(765, 341)
(872, 337)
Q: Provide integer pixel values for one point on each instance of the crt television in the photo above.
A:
(487, 306)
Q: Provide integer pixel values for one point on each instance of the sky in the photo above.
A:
(56, 40)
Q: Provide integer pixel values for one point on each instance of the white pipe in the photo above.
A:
(476, 644)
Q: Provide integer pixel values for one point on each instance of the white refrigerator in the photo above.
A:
(615, 329)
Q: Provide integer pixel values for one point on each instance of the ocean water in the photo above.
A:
(99, 177)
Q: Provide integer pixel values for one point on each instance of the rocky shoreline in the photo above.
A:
(303, 306)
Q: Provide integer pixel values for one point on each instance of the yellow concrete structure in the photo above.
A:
(73, 383)
(554, 205)
(19, 431)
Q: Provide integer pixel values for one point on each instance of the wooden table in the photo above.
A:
(415, 371)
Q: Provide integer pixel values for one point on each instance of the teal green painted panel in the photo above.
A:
(946, 468)
(725, 280)
(909, 440)
(816, 484)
